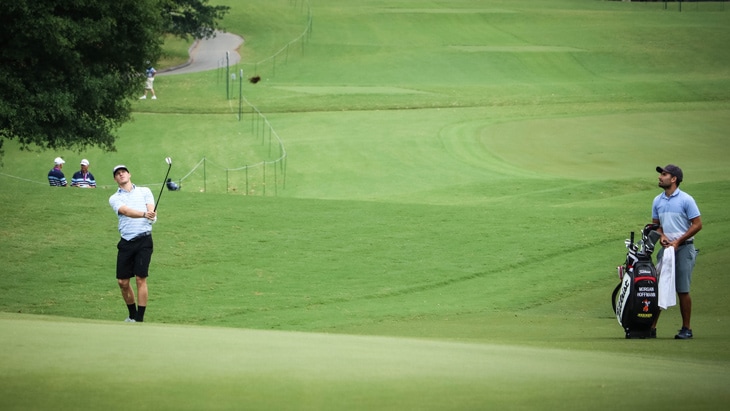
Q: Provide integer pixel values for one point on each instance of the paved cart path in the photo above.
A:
(210, 54)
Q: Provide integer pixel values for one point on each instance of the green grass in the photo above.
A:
(284, 370)
(175, 52)
(460, 177)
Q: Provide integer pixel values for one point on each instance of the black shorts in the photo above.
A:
(133, 257)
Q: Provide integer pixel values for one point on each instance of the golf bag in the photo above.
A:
(635, 299)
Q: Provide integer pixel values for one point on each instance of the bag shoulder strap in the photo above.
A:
(613, 296)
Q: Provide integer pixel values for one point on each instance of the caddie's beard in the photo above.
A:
(665, 182)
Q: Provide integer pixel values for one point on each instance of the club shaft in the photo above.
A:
(163, 185)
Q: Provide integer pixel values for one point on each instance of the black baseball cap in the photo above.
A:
(671, 169)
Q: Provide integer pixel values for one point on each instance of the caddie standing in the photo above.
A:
(679, 218)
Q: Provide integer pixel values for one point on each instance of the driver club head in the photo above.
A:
(168, 160)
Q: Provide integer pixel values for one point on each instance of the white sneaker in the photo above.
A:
(154, 97)
(129, 320)
(143, 98)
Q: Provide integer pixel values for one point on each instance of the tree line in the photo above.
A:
(68, 68)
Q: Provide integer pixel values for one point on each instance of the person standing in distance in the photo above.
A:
(56, 178)
(149, 85)
(83, 178)
(679, 220)
(135, 209)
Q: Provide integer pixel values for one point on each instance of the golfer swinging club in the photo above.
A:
(135, 208)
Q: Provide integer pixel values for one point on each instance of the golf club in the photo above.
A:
(168, 160)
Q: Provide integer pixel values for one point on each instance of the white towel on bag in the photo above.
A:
(667, 289)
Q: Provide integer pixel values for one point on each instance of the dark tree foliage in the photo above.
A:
(68, 68)
(194, 18)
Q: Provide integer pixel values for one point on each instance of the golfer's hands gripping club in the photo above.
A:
(150, 215)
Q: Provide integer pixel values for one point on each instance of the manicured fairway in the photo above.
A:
(94, 365)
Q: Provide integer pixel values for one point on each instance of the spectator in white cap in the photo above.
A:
(55, 176)
(83, 178)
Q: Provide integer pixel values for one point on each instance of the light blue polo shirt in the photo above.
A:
(674, 213)
(136, 199)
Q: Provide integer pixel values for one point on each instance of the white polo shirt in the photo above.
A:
(137, 199)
